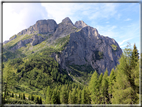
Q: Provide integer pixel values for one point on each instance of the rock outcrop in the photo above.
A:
(88, 47)
(41, 27)
(34, 41)
(64, 28)
(80, 24)
(37, 40)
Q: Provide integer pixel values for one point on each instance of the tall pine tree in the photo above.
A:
(105, 88)
(124, 87)
(111, 84)
(48, 95)
(134, 57)
(63, 95)
(70, 98)
(54, 98)
(94, 88)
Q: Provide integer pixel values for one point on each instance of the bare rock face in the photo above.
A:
(67, 21)
(34, 41)
(80, 24)
(37, 40)
(64, 28)
(5, 41)
(19, 45)
(88, 47)
(45, 26)
(41, 27)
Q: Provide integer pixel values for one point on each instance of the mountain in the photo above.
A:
(78, 48)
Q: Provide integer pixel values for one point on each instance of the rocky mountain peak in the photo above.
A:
(80, 24)
(67, 20)
(85, 47)
(41, 27)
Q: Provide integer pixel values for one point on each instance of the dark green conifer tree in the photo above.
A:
(74, 96)
(70, 98)
(134, 57)
(24, 97)
(105, 88)
(54, 98)
(63, 95)
(85, 97)
(124, 87)
(12, 95)
(79, 97)
(29, 97)
(40, 100)
(111, 84)
(94, 89)
(48, 95)
(100, 89)
(32, 98)
(19, 95)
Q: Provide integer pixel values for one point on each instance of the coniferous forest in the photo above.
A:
(52, 86)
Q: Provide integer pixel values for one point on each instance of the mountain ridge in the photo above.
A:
(84, 47)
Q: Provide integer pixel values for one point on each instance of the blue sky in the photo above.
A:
(120, 21)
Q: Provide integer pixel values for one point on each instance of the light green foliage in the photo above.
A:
(104, 88)
(124, 87)
(134, 57)
(111, 83)
(94, 88)
(54, 98)
(48, 95)
(85, 97)
(82, 73)
(79, 97)
(74, 96)
(16, 40)
(61, 43)
(64, 95)
(70, 98)
(114, 47)
(13, 36)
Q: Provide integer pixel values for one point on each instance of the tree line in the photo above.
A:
(120, 87)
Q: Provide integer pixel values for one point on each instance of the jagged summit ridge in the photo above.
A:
(41, 27)
(86, 47)
(67, 21)
(80, 24)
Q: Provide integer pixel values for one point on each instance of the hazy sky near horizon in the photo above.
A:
(120, 21)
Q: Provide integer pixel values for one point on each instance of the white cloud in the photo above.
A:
(120, 43)
(77, 11)
(19, 16)
(128, 19)
(107, 30)
(58, 11)
(105, 10)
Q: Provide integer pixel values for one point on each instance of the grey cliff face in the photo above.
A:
(34, 41)
(41, 27)
(88, 47)
(80, 24)
(67, 21)
(37, 40)
(64, 28)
